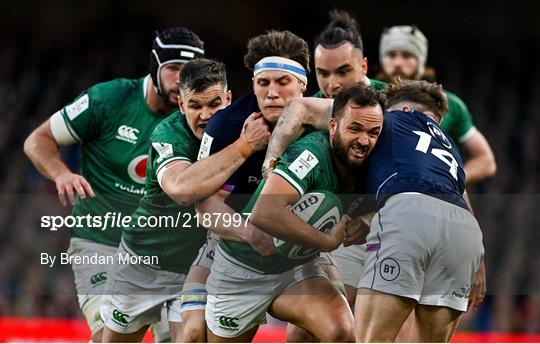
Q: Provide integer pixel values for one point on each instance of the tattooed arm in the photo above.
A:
(298, 114)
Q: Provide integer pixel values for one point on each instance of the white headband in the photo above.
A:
(283, 64)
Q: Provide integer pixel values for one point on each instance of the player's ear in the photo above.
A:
(365, 65)
(332, 127)
(181, 103)
(229, 97)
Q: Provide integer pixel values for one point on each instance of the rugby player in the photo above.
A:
(403, 53)
(339, 56)
(342, 33)
(219, 153)
(424, 246)
(112, 121)
(339, 62)
(244, 285)
(135, 291)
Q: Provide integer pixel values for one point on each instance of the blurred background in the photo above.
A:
(486, 52)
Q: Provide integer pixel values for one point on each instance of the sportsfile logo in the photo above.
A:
(228, 323)
(127, 134)
(98, 278)
(119, 317)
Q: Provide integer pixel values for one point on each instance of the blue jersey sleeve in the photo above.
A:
(224, 128)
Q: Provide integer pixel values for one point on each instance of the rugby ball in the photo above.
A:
(321, 209)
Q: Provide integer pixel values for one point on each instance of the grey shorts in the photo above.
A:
(423, 248)
(350, 261)
(238, 298)
(135, 295)
(90, 279)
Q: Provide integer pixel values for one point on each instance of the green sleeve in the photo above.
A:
(458, 120)
(303, 165)
(171, 141)
(83, 116)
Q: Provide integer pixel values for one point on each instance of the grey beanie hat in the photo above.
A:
(407, 38)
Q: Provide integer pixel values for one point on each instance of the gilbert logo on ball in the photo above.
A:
(321, 209)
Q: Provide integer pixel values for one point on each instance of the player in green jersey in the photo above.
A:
(244, 285)
(161, 228)
(339, 62)
(273, 88)
(403, 53)
(112, 121)
(136, 289)
(339, 56)
(337, 67)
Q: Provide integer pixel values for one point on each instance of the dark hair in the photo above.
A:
(277, 43)
(359, 93)
(199, 74)
(342, 28)
(429, 96)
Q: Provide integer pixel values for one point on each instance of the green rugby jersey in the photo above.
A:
(458, 120)
(112, 122)
(307, 165)
(177, 239)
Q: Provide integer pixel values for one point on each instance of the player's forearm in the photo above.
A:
(228, 230)
(296, 115)
(479, 168)
(44, 154)
(205, 177)
(278, 221)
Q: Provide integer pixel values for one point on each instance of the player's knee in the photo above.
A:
(434, 335)
(296, 334)
(194, 334)
(339, 332)
(194, 327)
(96, 337)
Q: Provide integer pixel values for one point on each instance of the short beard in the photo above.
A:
(340, 152)
(167, 99)
(398, 73)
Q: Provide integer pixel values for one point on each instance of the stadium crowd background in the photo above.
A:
(486, 52)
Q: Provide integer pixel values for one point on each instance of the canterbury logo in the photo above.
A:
(119, 317)
(98, 278)
(127, 134)
(228, 323)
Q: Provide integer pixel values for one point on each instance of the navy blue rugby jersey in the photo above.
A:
(223, 129)
(414, 155)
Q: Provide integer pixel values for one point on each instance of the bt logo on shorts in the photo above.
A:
(127, 134)
(228, 323)
(119, 317)
(389, 269)
(98, 278)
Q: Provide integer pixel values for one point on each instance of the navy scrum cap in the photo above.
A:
(174, 45)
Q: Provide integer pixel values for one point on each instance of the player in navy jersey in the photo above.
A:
(412, 156)
(424, 245)
(279, 60)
